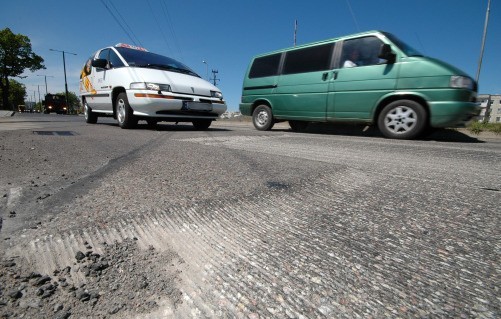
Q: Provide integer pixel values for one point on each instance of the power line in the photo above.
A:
(125, 22)
(159, 26)
(353, 15)
(117, 21)
(165, 11)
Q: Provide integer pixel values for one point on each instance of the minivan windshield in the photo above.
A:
(143, 59)
(407, 49)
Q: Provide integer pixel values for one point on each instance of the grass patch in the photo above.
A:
(479, 127)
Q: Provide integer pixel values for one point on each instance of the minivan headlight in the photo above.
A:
(216, 94)
(462, 82)
(150, 86)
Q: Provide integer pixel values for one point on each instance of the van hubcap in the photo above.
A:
(121, 111)
(262, 118)
(401, 120)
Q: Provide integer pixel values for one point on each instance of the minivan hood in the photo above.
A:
(426, 66)
(179, 82)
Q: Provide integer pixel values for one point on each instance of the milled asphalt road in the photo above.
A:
(332, 223)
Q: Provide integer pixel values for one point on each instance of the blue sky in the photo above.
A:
(227, 33)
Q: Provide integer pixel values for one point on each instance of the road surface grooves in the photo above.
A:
(346, 242)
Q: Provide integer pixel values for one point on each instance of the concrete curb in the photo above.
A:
(6, 113)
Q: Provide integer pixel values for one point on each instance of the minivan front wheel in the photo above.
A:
(403, 119)
(262, 118)
(125, 116)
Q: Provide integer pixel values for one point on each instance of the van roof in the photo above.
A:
(320, 42)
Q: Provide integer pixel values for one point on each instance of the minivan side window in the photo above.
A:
(103, 55)
(317, 58)
(361, 52)
(265, 66)
(115, 61)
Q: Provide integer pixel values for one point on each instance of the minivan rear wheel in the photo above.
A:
(402, 119)
(298, 126)
(90, 117)
(201, 125)
(262, 118)
(125, 116)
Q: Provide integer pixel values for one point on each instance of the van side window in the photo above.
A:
(360, 52)
(115, 61)
(265, 66)
(103, 55)
(310, 59)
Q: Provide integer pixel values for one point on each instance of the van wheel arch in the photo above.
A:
(114, 96)
(394, 98)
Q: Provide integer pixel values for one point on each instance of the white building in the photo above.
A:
(491, 108)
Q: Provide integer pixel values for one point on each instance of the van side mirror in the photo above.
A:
(99, 63)
(386, 53)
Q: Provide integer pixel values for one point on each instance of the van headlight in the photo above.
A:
(462, 82)
(216, 94)
(150, 86)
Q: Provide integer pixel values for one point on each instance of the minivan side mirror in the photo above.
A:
(99, 63)
(386, 53)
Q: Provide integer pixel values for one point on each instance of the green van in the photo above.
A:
(370, 77)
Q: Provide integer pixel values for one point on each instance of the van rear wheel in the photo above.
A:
(90, 117)
(201, 125)
(403, 119)
(262, 118)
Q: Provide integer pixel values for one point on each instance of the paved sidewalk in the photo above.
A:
(6, 113)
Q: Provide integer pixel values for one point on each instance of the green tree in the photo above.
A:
(17, 92)
(15, 57)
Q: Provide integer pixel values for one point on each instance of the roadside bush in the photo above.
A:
(476, 127)
(479, 127)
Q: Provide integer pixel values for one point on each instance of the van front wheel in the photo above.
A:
(262, 118)
(125, 116)
(403, 119)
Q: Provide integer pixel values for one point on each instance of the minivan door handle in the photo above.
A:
(324, 76)
(334, 75)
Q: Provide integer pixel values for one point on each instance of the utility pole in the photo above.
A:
(214, 79)
(295, 31)
(50, 76)
(483, 40)
(65, 82)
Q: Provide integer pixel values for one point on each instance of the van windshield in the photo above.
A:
(407, 49)
(150, 60)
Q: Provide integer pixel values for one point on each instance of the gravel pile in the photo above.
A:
(121, 282)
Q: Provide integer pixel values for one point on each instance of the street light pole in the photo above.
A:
(65, 82)
(206, 69)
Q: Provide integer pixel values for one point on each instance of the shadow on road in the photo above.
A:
(439, 135)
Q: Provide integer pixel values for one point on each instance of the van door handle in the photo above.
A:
(334, 75)
(325, 75)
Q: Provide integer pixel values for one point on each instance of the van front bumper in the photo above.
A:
(452, 113)
(148, 104)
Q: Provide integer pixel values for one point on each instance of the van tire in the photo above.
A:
(298, 126)
(402, 119)
(90, 117)
(262, 118)
(125, 116)
(201, 125)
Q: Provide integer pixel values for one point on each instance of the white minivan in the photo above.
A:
(132, 84)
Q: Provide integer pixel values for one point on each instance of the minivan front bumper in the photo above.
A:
(148, 104)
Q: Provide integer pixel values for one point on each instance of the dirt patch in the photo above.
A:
(124, 281)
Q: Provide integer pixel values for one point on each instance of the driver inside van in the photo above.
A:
(352, 59)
